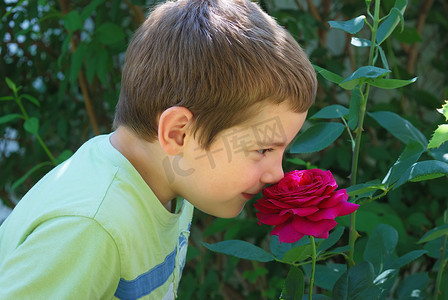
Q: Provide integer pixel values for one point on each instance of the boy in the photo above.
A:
(212, 93)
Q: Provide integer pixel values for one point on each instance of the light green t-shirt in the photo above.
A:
(93, 229)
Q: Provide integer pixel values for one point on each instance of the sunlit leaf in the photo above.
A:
(351, 26)
(439, 137)
(360, 43)
(328, 75)
(395, 16)
(444, 110)
(424, 170)
(361, 75)
(391, 83)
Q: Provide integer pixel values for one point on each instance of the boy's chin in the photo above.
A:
(226, 213)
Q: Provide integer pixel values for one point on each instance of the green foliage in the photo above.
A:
(59, 58)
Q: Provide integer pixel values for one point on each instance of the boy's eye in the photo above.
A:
(263, 151)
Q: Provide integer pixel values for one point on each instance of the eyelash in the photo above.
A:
(263, 151)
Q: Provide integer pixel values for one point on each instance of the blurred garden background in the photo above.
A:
(60, 71)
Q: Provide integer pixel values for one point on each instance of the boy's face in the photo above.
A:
(239, 164)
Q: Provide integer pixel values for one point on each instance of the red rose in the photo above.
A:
(303, 203)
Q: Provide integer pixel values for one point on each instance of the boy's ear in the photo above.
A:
(173, 127)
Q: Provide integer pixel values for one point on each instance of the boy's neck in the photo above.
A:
(146, 157)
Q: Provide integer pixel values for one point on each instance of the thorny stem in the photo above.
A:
(358, 133)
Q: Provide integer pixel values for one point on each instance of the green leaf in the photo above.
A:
(326, 275)
(32, 125)
(424, 170)
(333, 238)
(89, 9)
(241, 249)
(380, 245)
(217, 225)
(439, 137)
(361, 75)
(409, 35)
(298, 254)
(383, 59)
(73, 21)
(10, 117)
(388, 25)
(355, 282)
(444, 110)
(391, 83)
(365, 188)
(279, 249)
(294, 285)
(11, 84)
(413, 287)
(440, 153)
(407, 258)
(31, 171)
(360, 43)
(328, 75)
(76, 62)
(355, 102)
(317, 137)
(399, 127)
(410, 155)
(31, 99)
(6, 98)
(109, 33)
(64, 48)
(351, 26)
(66, 154)
(334, 111)
(434, 234)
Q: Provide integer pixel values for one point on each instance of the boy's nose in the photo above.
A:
(273, 175)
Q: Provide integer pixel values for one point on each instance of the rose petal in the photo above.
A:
(314, 228)
(336, 198)
(272, 219)
(325, 213)
(347, 208)
(286, 233)
(303, 212)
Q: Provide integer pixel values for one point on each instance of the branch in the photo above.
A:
(413, 51)
(82, 80)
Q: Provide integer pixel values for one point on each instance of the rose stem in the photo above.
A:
(313, 269)
(362, 112)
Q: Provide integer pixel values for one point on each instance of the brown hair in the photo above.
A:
(215, 57)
